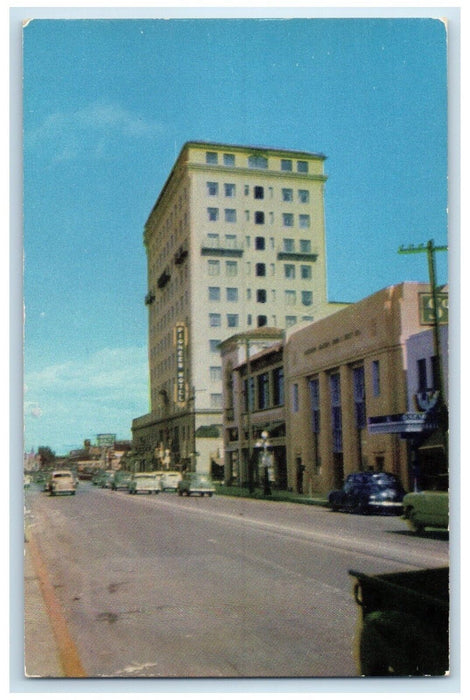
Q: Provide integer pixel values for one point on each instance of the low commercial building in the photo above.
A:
(341, 371)
(254, 417)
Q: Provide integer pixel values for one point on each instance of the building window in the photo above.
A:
(304, 196)
(214, 320)
(216, 400)
(304, 220)
(259, 217)
(295, 398)
(230, 241)
(307, 298)
(232, 320)
(336, 416)
(248, 294)
(257, 162)
(211, 158)
(229, 189)
(287, 194)
(305, 245)
(260, 270)
(288, 245)
(247, 190)
(291, 321)
(286, 165)
(422, 375)
(261, 321)
(232, 293)
(302, 166)
(249, 320)
(231, 215)
(214, 345)
(287, 219)
(229, 160)
(249, 391)
(213, 214)
(306, 272)
(315, 404)
(260, 243)
(290, 297)
(263, 390)
(213, 240)
(278, 386)
(215, 374)
(376, 377)
(359, 391)
(214, 293)
(231, 268)
(213, 268)
(212, 189)
(289, 272)
(258, 192)
(261, 296)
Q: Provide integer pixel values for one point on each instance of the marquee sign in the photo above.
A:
(180, 340)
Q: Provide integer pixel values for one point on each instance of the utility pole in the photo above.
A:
(430, 249)
(442, 411)
(248, 405)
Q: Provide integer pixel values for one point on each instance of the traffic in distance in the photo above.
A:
(364, 492)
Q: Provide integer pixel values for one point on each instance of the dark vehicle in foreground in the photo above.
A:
(404, 623)
(120, 480)
(426, 509)
(195, 483)
(369, 492)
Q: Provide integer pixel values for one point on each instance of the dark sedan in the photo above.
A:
(369, 492)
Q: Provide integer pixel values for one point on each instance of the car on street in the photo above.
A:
(120, 480)
(424, 509)
(369, 492)
(144, 482)
(195, 483)
(62, 482)
(170, 480)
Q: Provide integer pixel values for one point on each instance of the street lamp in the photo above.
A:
(265, 461)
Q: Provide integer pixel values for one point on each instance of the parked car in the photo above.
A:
(369, 492)
(194, 482)
(426, 509)
(170, 480)
(107, 480)
(144, 482)
(62, 482)
(120, 480)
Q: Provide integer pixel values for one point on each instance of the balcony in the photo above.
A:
(296, 256)
(231, 248)
(180, 256)
(163, 279)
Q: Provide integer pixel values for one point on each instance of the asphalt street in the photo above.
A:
(170, 587)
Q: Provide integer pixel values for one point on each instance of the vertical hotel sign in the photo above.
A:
(180, 339)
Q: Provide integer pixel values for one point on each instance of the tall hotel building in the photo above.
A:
(235, 241)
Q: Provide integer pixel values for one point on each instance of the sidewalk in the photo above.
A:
(314, 499)
(41, 655)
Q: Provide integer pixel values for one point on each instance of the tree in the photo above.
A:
(46, 457)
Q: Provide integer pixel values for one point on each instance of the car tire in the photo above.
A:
(415, 527)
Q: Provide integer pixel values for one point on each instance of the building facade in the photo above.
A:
(340, 372)
(235, 242)
(253, 393)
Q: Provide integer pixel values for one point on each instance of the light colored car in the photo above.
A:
(62, 482)
(426, 509)
(120, 480)
(170, 480)
(145, 482)
(195, 483)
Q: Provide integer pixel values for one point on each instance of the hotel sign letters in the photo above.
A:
(180, 341)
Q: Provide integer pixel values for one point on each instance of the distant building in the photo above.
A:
(235, 242)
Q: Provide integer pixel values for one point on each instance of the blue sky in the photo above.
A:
(108, 104)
